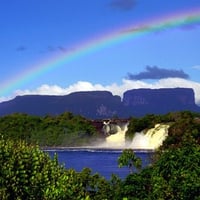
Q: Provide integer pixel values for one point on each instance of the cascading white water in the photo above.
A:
(117, 140)
(150, 140)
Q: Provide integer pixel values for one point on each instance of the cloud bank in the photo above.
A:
(157, 73)
(116, 89)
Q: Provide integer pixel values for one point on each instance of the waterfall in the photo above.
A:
(150, 139)
(117, 140)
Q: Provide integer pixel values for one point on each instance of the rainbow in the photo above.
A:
(122, 34)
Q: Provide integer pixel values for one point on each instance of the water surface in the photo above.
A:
(102, 161)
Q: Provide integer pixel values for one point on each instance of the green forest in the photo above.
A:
(27, 172)
(62, 130)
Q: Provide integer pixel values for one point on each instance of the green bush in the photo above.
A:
(28, 173)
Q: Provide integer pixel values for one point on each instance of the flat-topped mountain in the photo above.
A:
(95, 104)
(159, 101)
(102, 104)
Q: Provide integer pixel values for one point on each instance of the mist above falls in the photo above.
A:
(149, 139)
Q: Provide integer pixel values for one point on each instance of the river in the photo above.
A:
(102, 161)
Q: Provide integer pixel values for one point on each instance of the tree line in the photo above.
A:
(62, 130)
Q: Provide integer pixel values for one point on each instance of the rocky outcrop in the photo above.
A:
(102, 104)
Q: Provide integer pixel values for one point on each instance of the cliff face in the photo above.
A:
(102, 104)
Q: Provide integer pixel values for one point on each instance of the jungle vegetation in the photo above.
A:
(62, 130)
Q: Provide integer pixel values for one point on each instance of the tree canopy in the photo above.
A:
(62, 130)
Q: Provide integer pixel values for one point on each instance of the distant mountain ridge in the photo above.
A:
(102, 104)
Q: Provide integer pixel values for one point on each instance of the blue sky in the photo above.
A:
(33, 31)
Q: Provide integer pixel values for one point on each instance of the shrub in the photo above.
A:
(29, 173)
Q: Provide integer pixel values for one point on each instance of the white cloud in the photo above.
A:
(2, 99)
(114, 88)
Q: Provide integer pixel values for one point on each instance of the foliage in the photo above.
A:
(184, 125)
(137, 185)
(28, 173)
(176, 174)
(129, 159)
(62, 130)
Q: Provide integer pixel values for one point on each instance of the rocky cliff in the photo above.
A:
(102, 104)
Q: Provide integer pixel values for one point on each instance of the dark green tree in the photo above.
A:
(129, 159)
(176, 173)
